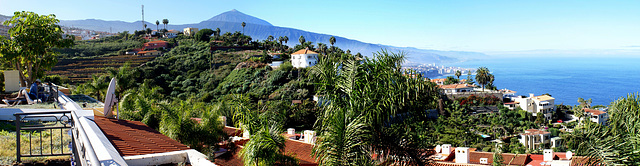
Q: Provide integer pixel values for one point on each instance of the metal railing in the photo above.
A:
(42, 121)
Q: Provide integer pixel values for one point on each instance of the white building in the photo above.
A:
(535, 139)
(597, 116)
(535, 104)
(189, 31)
(456, 88)
(304, 58)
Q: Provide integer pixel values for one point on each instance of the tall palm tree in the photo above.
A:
(270, 38)
(286, 39)
(332, 40)
(458, 74)
(157, 23)
(165, 22)
(243, 24)
(217, 32)
(482, 76)
(301, 40)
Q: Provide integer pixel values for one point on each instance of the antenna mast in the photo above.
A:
(143, 17)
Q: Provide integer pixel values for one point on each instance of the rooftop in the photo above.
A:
(304, 51)
(534, 132)
(543, 98)
(456, 86)
(135, 138)
(594, 112)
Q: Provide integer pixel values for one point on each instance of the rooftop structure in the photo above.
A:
(304, 58)
(463, 156)
(597, 116)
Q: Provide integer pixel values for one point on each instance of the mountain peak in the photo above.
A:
(237, 16)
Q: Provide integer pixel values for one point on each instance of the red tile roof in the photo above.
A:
(301, 151)
(304, 51)
(594, 112)
(232, 131)
(456, 86)
(508, 158)
(135, 138)
(535, 132)
(230, 158)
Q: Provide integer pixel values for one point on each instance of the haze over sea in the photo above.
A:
(602, 79)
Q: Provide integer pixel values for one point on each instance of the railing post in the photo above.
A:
(17, 138)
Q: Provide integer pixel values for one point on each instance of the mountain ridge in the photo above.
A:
(259, 29)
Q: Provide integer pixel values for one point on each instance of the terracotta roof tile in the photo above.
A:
(455, 86)
(304, 51)
(231, 131)
(301, 151)
(594, 112)
(508, 158)
(135, 138)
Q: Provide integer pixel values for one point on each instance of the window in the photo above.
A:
(309, 63)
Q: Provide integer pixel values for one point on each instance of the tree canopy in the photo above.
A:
(30, 49)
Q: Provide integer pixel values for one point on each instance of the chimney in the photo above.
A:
(291, 131)
(462, 155)
(531, 95)
(548, 154)
(446, 149)
(309, 136)
(223, 119)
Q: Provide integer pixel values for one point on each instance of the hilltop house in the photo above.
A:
(597, 116)
(535, 104)
(535, 139)
(153, 45)
(304, 58)
(189, 31)
(456, 88)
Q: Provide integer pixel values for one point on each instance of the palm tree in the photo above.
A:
(364, 96)
(270, 38)
(332, 40)
(243, 24)
(266, 147)
(301, 40)
(458, 73)
(286, 39)
(482, 76)
(157, 23)
(619, 142)
(217, 32)
(165, 22)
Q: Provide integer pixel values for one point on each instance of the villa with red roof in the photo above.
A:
(304, 58)
(597, 116)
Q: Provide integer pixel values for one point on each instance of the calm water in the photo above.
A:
(566, 79)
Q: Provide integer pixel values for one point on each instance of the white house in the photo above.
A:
(456, 88)
(535, 104)
(597, 116)
(189, 31)
(535, 139)
(304, 58)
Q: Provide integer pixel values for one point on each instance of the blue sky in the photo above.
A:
(485, 26)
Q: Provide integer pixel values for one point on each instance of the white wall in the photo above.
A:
(304, 60)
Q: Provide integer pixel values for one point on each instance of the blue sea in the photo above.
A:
(602, 79)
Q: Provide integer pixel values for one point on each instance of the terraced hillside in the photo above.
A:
(79, 70)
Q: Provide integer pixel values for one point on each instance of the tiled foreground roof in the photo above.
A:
(135, 138)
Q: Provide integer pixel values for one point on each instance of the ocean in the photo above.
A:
(604, 80)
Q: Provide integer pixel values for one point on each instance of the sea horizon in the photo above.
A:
(566, 78)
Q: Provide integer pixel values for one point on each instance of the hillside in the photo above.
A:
(260, 29)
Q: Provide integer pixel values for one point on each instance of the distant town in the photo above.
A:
(433, 70)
